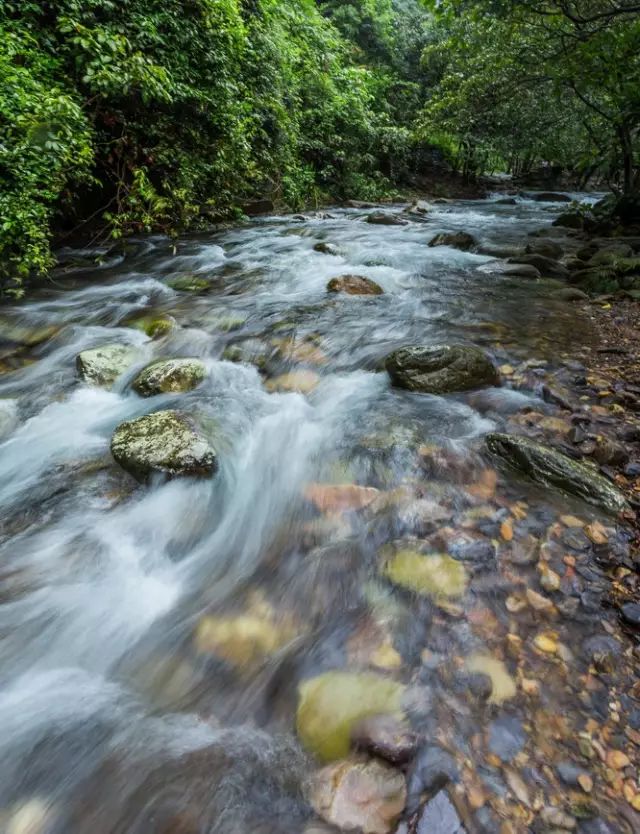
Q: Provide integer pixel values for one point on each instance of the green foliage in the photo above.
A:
(538, 80)
(138, 115)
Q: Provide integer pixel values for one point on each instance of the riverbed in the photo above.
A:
(156, 640)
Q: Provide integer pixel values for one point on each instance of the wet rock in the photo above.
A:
(553, 469)
(103, 365)
(301, 382)
(381, 218)
(506, 737)
(163, 443)
(367, 796)
(546, 196)
(329, 706)
(169, 376)
(354, 285)
(570, 220)
(155, 326)
(570, 294)
(244, 639)
(497, 251)
(503, 686)
(336, 498)
(479, 685)
(457, 240)
(610, 453)
(507, 201)
(418, 207)
(631, 613)
(603, 651)
(432, 769)
(435, 575)
(189, 283)
(570, 773)
(360, 204)
(385, 736)
(478, 552)
(521, 271)
(441, 369)
(249, 351)
(326, 248)
(547, 267)
(439, 816)
(546, 248)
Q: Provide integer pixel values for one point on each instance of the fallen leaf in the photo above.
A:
(617, 760)
(546, 642)
(506, 530)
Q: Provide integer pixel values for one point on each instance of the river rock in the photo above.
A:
(189, 283)
(354, 285)
(103, 365)
(439, 816)
(255, 207)
(359, 794)
(325, 248)
(516, 270)
(330, 704)
(546, 248)
(243, 639)
(548, 267)
(546, 197)
(506, 737)
(441, 369)
(155, 326)
(457, 240)
(631, 613)
(250, 351)
(494, 250)
(431, 771)
(434, 575)
(570, 294)
(163, 443)
(551, 468)
(570, 220)
(507, 201)
(385, 736)
(381, 218)
(169, 376)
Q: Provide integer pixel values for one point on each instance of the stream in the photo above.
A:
(154, 638)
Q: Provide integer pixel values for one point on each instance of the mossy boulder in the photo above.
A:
(250, 351)
(189, 283)
(570, 220)
(434, 575)
(169, 376)
(441, 369)
(164, 443)
(458, 240)
(548, 267)
(331, 704)
(354, 285)
(244, 639)
(103, 365)
(155, 326)
(551, 468)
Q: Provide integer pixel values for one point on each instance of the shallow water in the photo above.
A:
(115, 716)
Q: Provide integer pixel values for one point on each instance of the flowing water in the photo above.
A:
(117, 714)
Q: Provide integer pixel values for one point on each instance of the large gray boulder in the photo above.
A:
(457, 240)
(441, 369)
(354, 285)
(548, 267)
(164, 443)
(169, 376)
(103, 365)
(551, 468)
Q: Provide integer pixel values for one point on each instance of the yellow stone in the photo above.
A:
(242, 639)
(547, 643)
(330, 704)
(503, 685)
(434, 575)
(301, 382)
